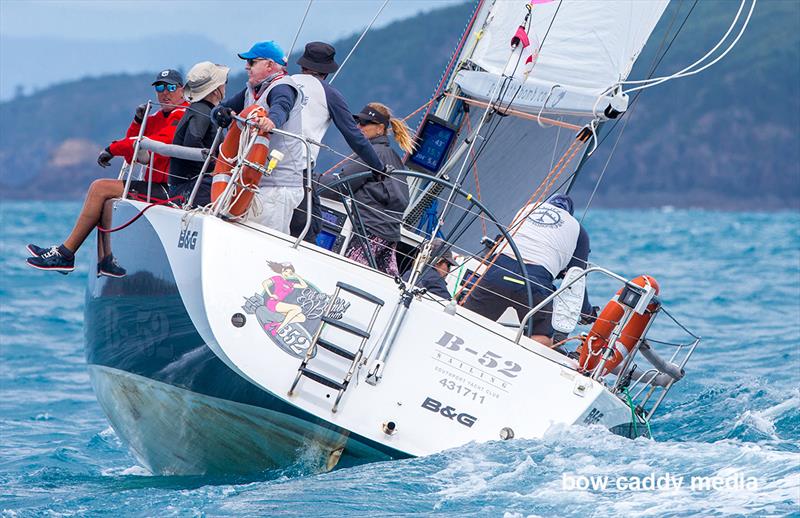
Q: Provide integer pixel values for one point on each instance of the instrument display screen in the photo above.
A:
(434, 143)
(330, 217)
(326, 240)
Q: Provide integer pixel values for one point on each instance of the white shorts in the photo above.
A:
(277, 206)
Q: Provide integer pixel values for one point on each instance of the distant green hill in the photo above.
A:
(727, 137)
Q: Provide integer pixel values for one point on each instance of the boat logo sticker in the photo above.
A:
(545, 217)
(289, 308)
(449, 412)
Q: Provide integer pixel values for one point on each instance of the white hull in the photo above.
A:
(448, 380)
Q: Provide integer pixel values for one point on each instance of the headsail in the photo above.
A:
(589, 47)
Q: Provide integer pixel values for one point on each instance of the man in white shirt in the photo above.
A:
(323, 104)
(550, 241)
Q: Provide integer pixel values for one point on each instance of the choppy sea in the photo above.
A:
(733, 278)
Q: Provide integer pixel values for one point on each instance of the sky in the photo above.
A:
(234, 22)
(85, 36)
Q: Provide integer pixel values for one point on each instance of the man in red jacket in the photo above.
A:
(160, 126)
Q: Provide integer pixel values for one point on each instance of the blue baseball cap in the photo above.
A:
(266, 50)
(562, 201)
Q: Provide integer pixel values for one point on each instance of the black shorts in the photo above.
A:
(501, 287)
(203, 196)
(158, 191)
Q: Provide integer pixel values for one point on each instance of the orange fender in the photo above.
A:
(594, 344)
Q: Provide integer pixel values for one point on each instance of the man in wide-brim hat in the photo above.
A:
(325, 104)
(204, 88)
(203, 79)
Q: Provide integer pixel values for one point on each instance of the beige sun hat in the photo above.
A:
(204, 78)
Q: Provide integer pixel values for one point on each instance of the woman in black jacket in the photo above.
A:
(380, 199)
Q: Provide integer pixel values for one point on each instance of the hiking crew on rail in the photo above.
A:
(160, 126)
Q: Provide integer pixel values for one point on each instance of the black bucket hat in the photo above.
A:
(369, 114)
(318, 56)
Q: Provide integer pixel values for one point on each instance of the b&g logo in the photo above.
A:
(448, 412)
(187, 239)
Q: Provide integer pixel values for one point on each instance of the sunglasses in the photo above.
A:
(160, 87)
(253, 61)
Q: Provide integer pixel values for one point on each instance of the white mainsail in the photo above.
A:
(590, 46)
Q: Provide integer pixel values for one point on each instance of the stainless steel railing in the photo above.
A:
(237, 173)
(646, 381)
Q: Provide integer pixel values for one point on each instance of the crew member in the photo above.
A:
(205, 89)
(269, 86)
(550, 241)
(434, 274)
(323, 104)
(160, 126)
(380, 199)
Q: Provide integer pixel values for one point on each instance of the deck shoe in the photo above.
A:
(36, 251)
(54, 260)
(110, 267)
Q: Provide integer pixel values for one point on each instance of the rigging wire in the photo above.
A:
(719, 43)
(477, 180)
(297, 34)
(453, 59)
(635, 99)
(681, 74)
(366, 30)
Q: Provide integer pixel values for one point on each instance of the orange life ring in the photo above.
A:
(242, 194)
(594, 344)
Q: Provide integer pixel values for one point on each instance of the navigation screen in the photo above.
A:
(330, 217)
(433, 146)
(326, 240)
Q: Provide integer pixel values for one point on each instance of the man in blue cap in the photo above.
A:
(551, 241)
(270, 87)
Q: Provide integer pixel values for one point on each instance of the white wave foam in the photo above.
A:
(764, 420)
(134, 471)
(530, 474)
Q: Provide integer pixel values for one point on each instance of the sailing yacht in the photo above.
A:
(199, 373)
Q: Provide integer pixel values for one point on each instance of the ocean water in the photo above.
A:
(733, 278)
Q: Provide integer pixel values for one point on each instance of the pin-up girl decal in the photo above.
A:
(276, 289)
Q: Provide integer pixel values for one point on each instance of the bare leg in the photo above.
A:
(543, 339)
(99, 192)
(293, 314)
(103, 238)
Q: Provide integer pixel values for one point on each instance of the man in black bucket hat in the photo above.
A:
(322, 105)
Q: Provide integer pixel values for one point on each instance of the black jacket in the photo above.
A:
(380, 203)
(194, 130)
(431, 280)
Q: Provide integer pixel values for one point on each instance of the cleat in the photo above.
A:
(36, 251)
(111, 268)
(52, 260)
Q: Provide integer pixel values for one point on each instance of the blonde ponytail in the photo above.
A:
(399, 129)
